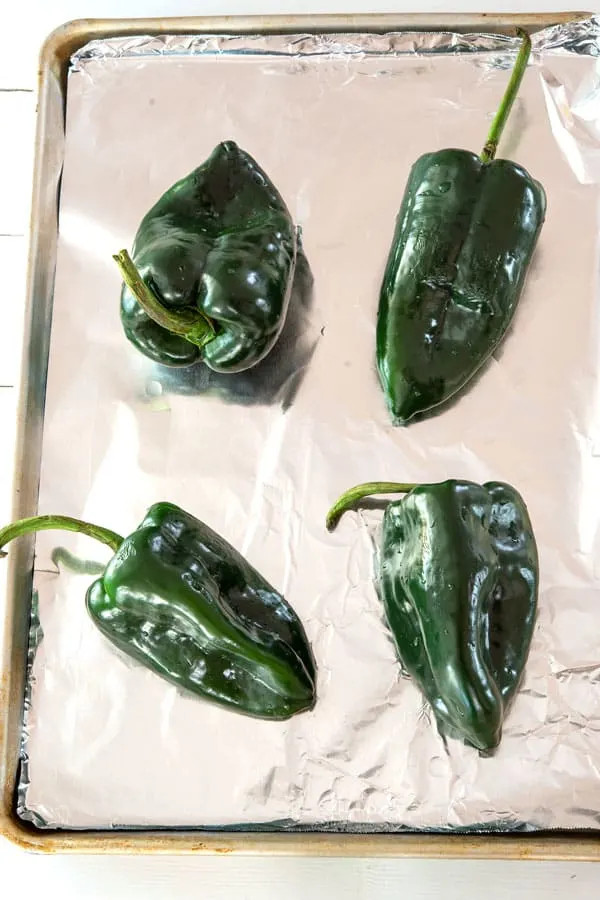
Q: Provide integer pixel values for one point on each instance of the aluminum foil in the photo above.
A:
(336, 121)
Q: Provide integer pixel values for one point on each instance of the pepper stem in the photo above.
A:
(491, 145)
(192, 325)
(350, 497)
(64, 523)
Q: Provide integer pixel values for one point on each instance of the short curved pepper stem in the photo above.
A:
(62, 523)
(368, 489)
(491, 145)
(193, 326)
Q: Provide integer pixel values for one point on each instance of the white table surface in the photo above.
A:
(25, 25)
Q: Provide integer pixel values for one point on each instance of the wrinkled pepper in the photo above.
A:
(182, 601)
(212, 269)
(464, 237)
(458, 578)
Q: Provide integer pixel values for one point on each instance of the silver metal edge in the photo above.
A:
(54, 61)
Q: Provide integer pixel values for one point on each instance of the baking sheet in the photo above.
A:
(336, 121)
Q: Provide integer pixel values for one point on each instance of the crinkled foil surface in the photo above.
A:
(336, 121)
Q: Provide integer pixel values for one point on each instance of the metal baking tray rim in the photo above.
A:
(52, 77)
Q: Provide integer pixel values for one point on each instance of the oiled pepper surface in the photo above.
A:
(458, 577)
(464, 238)
(219, 244)
(182, 601)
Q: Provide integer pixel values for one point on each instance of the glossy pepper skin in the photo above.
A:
(464, 238)
(458, 578)
(182, 601)
(463, 241)
(220, 242)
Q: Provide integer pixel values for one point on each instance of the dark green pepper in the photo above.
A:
(458, 577)
(183, 602)
(213, 266)
(464, 238)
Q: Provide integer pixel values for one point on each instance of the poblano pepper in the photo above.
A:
(212, 269)
(464, 238)
(458, 577)
(179, 599)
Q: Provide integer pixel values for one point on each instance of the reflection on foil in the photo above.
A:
(575, 120)
(64, 559)
(346, 117)
(81, 232)
(36, 636)
(579, 37)
(274, 380)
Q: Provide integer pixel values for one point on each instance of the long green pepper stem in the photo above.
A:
(354, 494)
(62, 523)
(491, 145)
(193, 326)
